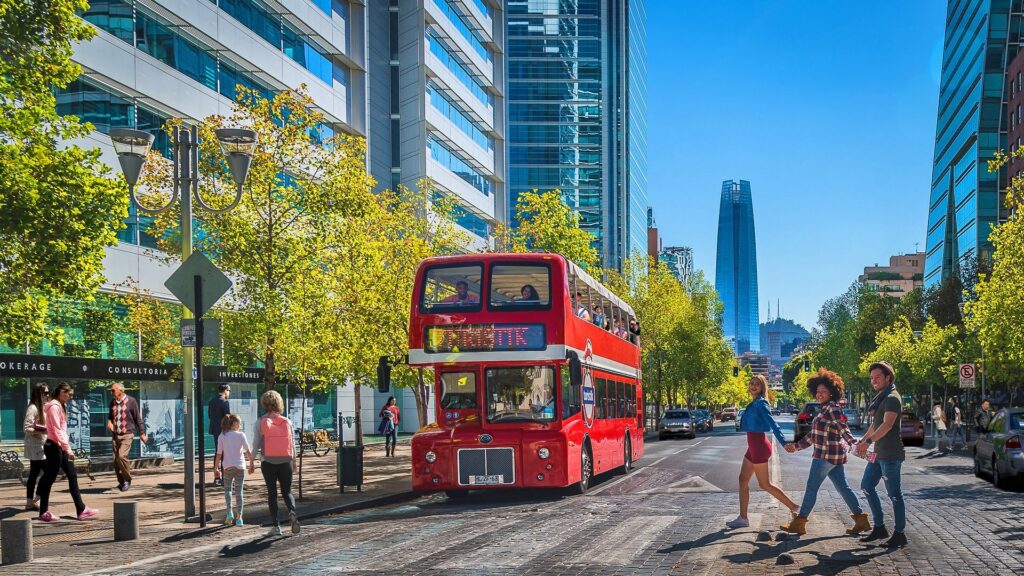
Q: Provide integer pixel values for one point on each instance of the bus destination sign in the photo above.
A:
(485, 338)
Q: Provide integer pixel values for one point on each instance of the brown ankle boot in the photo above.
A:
(860, 524)
(797, 526)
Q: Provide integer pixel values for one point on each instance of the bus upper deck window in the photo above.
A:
(452, 288)
(520, 286)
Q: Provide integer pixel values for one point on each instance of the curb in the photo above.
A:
(384, 500)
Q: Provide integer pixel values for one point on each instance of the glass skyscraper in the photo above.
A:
(576, 114)
(982, 36)
(736, 267)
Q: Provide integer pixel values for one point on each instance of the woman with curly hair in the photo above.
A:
(827, 435)
(757, 421)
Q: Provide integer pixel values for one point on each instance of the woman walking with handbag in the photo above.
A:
(35, 435)
(60, 456)
(275, 441)
(389, 426)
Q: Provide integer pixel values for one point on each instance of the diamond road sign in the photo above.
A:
(182, 283)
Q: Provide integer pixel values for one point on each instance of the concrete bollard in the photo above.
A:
(126, 521)
(15, 541)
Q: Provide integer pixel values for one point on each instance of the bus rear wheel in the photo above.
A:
(586, 472)
(627, 456)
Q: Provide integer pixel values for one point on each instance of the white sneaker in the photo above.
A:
(738, 522)
(275, 531)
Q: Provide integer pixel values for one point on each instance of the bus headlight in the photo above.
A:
(430, 457)
(543, 453)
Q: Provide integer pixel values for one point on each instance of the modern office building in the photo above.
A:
(982, 38)
(679, 260)
(904, 273)
(577, 107)
(1015, 113)
(437, 102)
(780, 338)
(736, 267)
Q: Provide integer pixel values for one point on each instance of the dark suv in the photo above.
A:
(803, 420)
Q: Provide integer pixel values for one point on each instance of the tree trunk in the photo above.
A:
(270, 371)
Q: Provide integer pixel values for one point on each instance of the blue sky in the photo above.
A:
(827, 108)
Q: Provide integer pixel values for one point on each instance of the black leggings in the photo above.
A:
(35, 468)
(272, 475)
(57, 460)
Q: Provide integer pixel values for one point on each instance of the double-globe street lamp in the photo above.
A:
(132, 147)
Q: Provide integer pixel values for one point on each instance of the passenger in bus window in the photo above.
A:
(598, 316)
(581, 309)
(529, 295)
(462, 295)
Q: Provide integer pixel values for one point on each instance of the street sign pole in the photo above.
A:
(184, 165)
(199, 399)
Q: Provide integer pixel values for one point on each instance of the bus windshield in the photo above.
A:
(520, 394)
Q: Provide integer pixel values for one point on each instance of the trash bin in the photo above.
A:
(350, 467)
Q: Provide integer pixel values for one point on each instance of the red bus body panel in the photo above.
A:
(612, 357)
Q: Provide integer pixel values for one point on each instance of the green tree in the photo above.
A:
(58, 209)
(285, 242)
(545, 223)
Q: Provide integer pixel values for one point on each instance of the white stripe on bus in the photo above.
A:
(556, 352)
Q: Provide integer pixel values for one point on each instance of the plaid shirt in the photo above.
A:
(828, 430)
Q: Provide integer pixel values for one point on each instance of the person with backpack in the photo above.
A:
(275, 441)
(389, 426)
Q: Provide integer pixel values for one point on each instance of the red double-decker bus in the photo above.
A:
(530, 390)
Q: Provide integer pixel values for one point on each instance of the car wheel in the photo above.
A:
(586, 471)
(997, 479)
(977, 467)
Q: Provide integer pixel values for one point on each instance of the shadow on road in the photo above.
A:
(706, 540)
(841, 560)
(768, 550)
(192, 534)
(246, 549)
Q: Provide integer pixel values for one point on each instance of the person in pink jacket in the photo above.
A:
(59, 456)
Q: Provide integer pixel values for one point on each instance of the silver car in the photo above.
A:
(998, 451)
(853, 419)
(676, 422)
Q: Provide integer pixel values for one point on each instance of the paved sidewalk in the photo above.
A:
(160, 497)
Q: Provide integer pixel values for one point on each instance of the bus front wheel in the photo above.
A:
(586, 471)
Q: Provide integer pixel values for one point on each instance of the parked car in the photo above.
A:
(676, 423)
(803, 420)
(911, 430)
(853, 419)
(703, 421)
(775, 412)
(729, 413)
(739, 419)
(998, 451)
(795, 410)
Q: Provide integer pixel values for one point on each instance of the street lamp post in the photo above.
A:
(132, 146)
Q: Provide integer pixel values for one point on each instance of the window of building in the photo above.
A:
(456, 115)
(443, 53)
(447, 158)
(456, 17)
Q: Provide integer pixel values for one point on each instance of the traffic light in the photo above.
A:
(383, 375)
(807, 364)
(735, 371)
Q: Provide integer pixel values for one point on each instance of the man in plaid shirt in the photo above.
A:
(829, 435)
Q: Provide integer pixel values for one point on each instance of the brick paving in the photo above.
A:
(957, 524)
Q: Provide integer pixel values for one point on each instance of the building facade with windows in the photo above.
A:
(966, 201)
(736, 267)
(577, 114)
(904, 273)
(679, 260)
(437, 103)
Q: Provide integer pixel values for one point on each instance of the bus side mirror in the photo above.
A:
(383, 375)
(575, 369)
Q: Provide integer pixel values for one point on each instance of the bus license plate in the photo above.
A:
(487, 480)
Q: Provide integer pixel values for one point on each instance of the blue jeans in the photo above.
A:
(888, 470)
(821, 469)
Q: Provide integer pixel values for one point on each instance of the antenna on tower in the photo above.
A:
(917, 247)
(778, 308)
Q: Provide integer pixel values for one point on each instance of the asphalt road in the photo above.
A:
(666, 517)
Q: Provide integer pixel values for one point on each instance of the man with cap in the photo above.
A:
(123, 421)
(885, 410)
(217, 409)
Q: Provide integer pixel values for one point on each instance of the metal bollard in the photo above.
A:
(126, 521)
(15, 541)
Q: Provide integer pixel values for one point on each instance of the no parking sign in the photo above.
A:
(967, 375)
